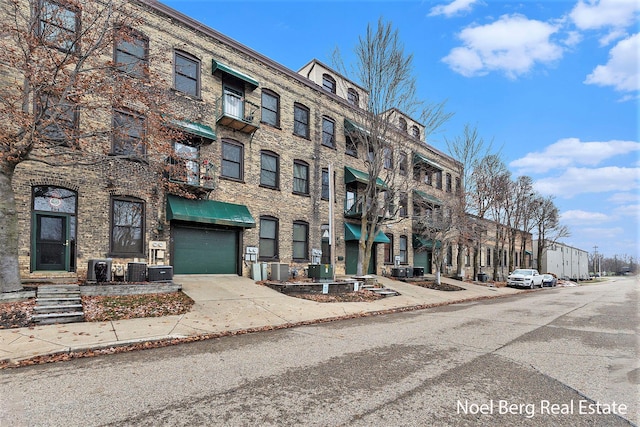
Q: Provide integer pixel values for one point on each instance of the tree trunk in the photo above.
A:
(9, 271)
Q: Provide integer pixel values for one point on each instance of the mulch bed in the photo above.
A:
(440, 287)
(104, 308)
(358, 296)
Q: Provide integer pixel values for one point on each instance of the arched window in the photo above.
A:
(329, 83)
(415, 132)
(402, 124)
(352, 97)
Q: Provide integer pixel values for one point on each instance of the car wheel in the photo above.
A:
(532, 285)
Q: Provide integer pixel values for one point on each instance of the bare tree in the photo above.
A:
(58, 70)
(549, 229)
(384, 69)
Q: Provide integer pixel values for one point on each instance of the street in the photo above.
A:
(556, 356)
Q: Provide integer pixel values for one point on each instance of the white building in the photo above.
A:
(562, 260)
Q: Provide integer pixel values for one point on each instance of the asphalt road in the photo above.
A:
(553, 357)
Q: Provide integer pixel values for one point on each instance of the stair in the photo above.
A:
(385, 292)
(58, 304)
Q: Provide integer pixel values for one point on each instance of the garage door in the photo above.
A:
(204, 251)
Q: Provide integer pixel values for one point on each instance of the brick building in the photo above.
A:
(258, 143)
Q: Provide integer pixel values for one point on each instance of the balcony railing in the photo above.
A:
(238, 114)
(194, 173)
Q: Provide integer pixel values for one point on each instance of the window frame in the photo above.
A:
(330, 136)
(403, 163)
(325, 184)
(305, 165)
(141, 64)
(402, 124)
(177, 74)
(273, 95)
(66, 123)
(112, 225)
(403, 205)
(305, 242)
(448, 183)
(415, 131)
(118, 144)
(388, 251)
(43, 23)
(403, 251)
(353, 97)
(223, 160)
(276, 172)
(306, 126)
(276, 222)
(351, 146)
(329, 83)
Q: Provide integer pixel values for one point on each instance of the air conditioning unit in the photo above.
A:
(137, 272)
(279, 272)
(160, 273)
(91, 269)
(399, 272)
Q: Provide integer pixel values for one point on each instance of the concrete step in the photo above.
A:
(67, 308)
(386, 292)
(51, 318)
(57, 301)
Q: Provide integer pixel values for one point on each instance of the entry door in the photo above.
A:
(52, 242)
(351, 255)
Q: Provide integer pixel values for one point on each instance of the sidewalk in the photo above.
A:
(223, 304)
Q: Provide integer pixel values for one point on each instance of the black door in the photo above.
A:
(52, 242)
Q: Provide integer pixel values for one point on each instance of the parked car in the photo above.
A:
(549, 280)
(525, 278)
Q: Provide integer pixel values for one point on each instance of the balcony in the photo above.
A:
(196, 175)
(238, 114)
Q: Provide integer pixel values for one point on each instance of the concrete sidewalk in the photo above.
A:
(223, 304)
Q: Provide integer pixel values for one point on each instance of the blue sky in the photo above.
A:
(554, 84)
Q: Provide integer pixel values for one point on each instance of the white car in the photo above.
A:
(525, 278)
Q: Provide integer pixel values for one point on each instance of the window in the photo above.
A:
(127, 219)
(351, 146)
(388, 250)
(300, 177)
(415, 132)
(328, 83)
(131, 52)
(232, 160)
(488, 257)
(403, 250)
(59, 26)
(186, 166)
(353, 98)
(371, 155)
(325, 185)
(402, 124)
(458, 186)
(403, 164)
(428, 177)
(128, 134)
(328, 132)
(448, 182)
(301, 120)
(186, 74)
(387, 154)
(269, 170)
(268, 246)
(439, 180)
(233, 103)
(270, 108)
(404, 203)
(449, 259)
(300, 240)
(58, 120)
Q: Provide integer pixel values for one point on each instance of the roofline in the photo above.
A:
(317, 61)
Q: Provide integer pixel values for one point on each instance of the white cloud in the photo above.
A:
(571, 151)
(454, 8)
(513, 45)
(628, 210)
(621, 71)
(576, 181)
(598, 14)
(603, 233)
(583, 217)
(621, 198)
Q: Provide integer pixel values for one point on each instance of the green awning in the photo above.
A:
(352, 232)
(196, 129)
(354, 175)
(528, 252)
(423, 242)
(209, 212)
(419, 158)
(235, 73)
(428, 197)
(353, 127)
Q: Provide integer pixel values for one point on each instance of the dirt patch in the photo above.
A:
(119, 307)
(358, 296)
(438, 287)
